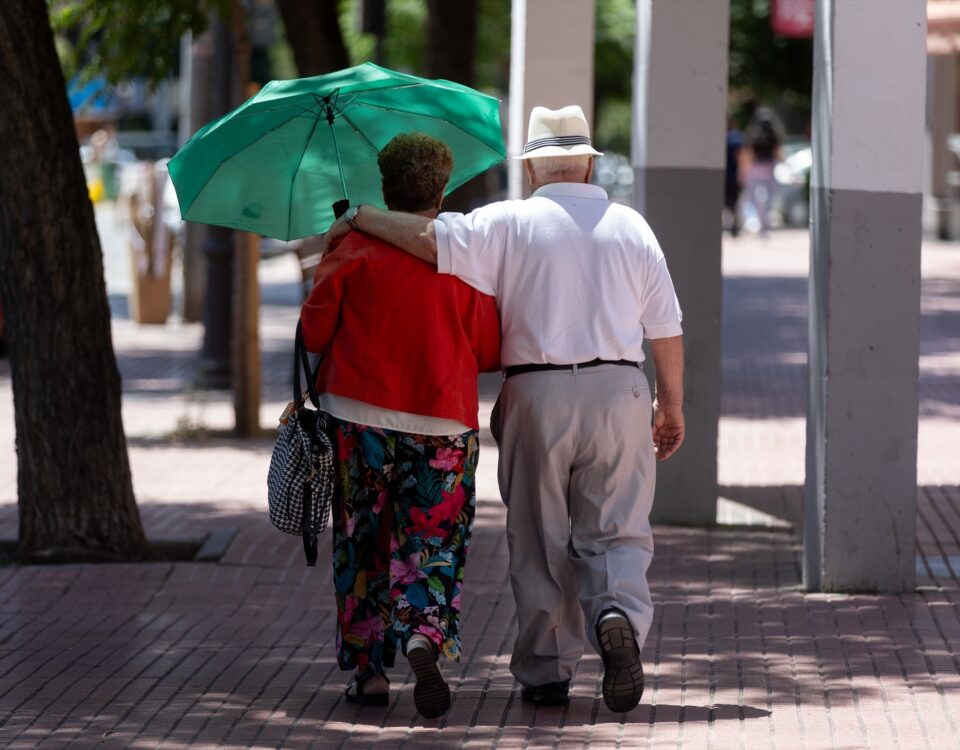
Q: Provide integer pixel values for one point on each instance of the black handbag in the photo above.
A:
(301, 475)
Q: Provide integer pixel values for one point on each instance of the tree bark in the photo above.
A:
(450, 54)
(313, 31)
(74, 487)
(451, 40)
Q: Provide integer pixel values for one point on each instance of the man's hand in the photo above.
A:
(414, 233)
(668, 429)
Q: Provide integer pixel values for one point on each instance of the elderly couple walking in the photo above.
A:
(559, 292)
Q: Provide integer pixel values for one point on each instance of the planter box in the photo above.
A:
(151, 298)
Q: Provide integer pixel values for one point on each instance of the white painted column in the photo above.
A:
(679, 154)
(868, 140)
(551, 65)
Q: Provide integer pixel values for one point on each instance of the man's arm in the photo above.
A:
(409, 232)
(668, 424)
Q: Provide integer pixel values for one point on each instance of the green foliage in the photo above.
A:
(613, 62)
(123, 39)
(763, 66)
(492, 66)
(613, 73)
(613, 125)
(282, 65)
(404, 41)
(406, 34)
(361, 47)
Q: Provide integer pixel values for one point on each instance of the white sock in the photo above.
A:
(419, 641)
(611, 614)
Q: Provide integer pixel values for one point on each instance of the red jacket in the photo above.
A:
(396, 334)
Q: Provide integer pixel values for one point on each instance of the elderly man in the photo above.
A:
(579, 283)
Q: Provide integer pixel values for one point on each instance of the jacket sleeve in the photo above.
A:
(486, 332)
(320, 314)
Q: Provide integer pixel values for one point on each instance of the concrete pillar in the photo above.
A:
(551, 65)
(860, 504)
(679, 125)
(942, 119)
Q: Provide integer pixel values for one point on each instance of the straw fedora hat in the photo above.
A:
(558, 132)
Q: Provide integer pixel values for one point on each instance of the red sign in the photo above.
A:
(792, 18)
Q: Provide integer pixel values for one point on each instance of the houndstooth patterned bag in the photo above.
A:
(300, 478)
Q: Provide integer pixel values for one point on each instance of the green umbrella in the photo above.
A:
(276, 164)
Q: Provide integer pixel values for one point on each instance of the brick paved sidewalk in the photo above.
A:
(239, 653)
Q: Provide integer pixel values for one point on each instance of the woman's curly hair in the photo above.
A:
(415, 168)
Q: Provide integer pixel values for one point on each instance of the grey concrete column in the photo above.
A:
(679, 111)
(868, 135)
(551, 65)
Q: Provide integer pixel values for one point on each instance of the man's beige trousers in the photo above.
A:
(577, 472)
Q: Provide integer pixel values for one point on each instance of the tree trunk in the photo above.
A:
(245, 339)
(74, 488)
(451, 40)
(451, 51)
(313, 31)
(194, 112)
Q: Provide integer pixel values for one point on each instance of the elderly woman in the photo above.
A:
(402, 348)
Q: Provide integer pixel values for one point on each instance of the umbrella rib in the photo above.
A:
(336, 147)
(433, 117)
(357, 92)
(432, 83)
(340, 110)
(293, 179)
(267, 110)
(359, 132)
(224, 160)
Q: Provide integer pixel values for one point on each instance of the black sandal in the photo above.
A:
(355, 694)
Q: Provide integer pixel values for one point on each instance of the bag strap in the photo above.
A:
(309, 535)
(302, 363)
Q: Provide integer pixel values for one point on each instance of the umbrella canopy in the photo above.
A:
(276, 164)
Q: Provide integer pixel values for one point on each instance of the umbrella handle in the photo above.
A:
(340, 207)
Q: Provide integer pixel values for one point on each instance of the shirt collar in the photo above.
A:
(571, 190)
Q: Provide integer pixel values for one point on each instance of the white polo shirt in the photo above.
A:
(576, 277)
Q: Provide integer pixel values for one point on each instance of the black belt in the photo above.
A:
(520, 369)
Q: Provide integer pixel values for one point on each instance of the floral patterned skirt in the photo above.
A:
(402, 516)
